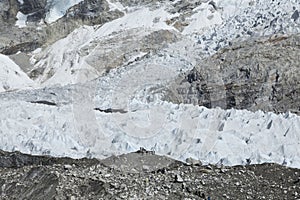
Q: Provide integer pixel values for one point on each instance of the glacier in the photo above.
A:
(59, 113)
(74, 128)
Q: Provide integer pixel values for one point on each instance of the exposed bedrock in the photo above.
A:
(257, 74)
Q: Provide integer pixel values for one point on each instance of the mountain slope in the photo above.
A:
(102, 72)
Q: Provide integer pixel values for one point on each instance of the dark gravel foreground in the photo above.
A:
(141, 175)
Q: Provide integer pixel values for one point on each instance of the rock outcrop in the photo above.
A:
(257, 74)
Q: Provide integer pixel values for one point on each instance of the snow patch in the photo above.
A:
(115, 6)
(205, 17)
(142, 18)
(21, 22)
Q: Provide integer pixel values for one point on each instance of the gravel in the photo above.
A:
(64, 178)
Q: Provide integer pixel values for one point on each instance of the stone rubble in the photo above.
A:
(64, 178)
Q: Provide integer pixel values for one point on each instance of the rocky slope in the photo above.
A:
(142, 176)
(258, 74)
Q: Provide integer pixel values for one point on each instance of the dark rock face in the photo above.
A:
(32, 6)
(257, 74)
(115, 179)
(36, 8)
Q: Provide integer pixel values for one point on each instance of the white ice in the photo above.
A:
(75, 129)
(21, 22)
(11, 76)
(57, 8)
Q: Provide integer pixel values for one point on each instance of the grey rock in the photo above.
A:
(295, 15)
(179, 179)
(192, 161)
(67, 167)
(256, 74)
(8, 11)
(146, 168)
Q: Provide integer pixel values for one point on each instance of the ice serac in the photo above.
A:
(72, 126)
(258, 74)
